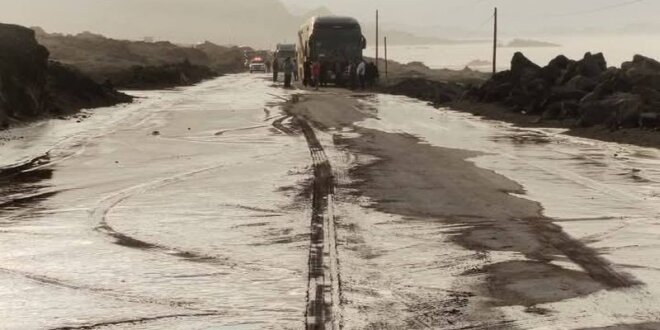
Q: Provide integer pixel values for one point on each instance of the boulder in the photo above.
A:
(558, 94)
(522, 69)
(643, 71)
(561, 110)
(590, 66)
(433, 91)
(581, 83)
(615, 111)
(556, 68)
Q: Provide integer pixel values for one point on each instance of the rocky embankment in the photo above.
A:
(32, 86)
(584, 92)
(592, 99)
(141, 64)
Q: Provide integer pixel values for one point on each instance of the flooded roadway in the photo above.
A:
(191, 210)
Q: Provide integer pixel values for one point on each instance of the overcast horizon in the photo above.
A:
(182, 22)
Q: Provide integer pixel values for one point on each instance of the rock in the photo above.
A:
(649, 120)
(563, 93)
(581, 83)
(590, 66)
(521, 65)
(155, 133)
(556, 68)
(643, 71)
(553, 111)
(650, 96)
(615, 111)
(560, 62)
(427, 90)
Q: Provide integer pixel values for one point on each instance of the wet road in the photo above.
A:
(237, 205)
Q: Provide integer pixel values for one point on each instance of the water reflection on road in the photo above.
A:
(158, 220)
(606, 195)
(189, 210)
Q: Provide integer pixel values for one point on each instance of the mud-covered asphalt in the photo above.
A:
(236, 204)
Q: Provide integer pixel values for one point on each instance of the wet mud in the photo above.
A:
(324, 286)
(25, 185)
(437, 183)
(480, 208)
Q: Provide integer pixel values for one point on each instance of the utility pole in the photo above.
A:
(385, 56)
(377, 38)
(495, 44)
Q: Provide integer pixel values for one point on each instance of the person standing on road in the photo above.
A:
(352, 75)
(361, 73)
(316, 74)
(276, 69)
(288, 72)
(372, 74)
(307, 73)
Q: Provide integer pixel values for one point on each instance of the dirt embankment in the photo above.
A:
(584, 96)
(141, 65)
(31, 86)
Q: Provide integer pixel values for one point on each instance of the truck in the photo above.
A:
(282, 52)
(335, 42)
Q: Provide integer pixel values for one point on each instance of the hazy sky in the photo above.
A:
(228, 20)
(515, 15)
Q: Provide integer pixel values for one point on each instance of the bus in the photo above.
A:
(333, 41)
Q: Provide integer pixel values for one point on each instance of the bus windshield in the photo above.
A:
(333, 43)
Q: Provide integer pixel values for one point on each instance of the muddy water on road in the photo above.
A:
(604, 196)
(188, 210)
(169, 213)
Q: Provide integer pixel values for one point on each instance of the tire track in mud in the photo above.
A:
(101, 212)
(323, 290)
(279, 125)
(137, 321)
(104, 292)
(100, 215)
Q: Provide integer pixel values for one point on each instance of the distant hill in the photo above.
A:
(525, 43)
(141, 64)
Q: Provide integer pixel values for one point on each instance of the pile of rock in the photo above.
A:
(435, 92)
(586, 91)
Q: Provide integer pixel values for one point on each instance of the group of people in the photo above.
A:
(360, 73)
(363, 74)
(290, 69)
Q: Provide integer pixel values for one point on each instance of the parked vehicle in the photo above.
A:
(335, 42)
(258, 67)
(283, 52)
(258, 64)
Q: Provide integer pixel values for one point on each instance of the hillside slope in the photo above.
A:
(31, 86)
